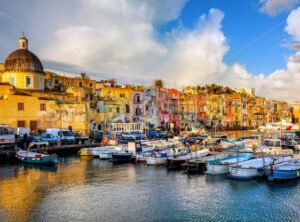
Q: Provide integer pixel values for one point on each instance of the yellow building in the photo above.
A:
(23, 69)
(295, 108)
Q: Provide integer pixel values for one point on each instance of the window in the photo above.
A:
(20, 106)
(127, 108)
(12, 80)
(56, 81)
(21, 123)
(122, 95)
(91, 85)
(137, 98)
(28, 81)
(80, 84)
(43, 107)
(118, 110)
(33, 125)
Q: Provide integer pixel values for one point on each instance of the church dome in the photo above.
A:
(22, 60)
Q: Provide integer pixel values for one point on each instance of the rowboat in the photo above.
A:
(221, 166)
(253, 168)
(284, 171)
(36, 158)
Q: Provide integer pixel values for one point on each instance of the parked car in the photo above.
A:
(152, 134)
(49, 138)
(64, 136)
(80, 139)
(129, 136)
(7, 137)
(139, 135)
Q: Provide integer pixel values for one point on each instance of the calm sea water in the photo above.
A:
(94, 190)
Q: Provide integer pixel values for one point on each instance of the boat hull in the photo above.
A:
(121, 158)
(194, 167)
(105, 156)
(156, 160)
(244, 173)
(217, 169)
(47, 160)
(175, 164)
(277, 175)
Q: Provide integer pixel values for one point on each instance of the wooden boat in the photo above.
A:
(221, 166)
(175, 163)
(284, 171)
(199, 165)
(121, 157)
(253, 168)
(36, 158)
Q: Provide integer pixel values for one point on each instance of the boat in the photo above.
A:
(199, 165)
(199, 153)
(121, 157)
(106, 154)
(175, 162)
(159, 158)
(284, 171)
(273, 147)
(221, 166)
(36, 158)
(253, 168)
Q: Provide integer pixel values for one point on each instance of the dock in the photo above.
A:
(8, 156)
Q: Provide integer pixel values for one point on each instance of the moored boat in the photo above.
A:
(284, 171)
(121, 157)
(175, 163)
(36, 158)
(253, 168)
(221, 166)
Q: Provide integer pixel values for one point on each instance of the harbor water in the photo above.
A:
(93, 190)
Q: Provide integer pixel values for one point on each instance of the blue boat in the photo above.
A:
(36, 158)
(284, 171)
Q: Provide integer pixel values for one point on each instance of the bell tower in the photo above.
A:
(23, 42)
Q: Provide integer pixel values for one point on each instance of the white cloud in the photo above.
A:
(293, 24)
(274, 7)
(121, 39)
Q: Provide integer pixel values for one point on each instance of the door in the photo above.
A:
(33, 125)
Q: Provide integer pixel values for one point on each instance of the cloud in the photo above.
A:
(274, 7)
(121, 39)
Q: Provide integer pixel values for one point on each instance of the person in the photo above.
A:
(25, 141)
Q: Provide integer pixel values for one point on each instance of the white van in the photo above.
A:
(20, 131)
(64, 136)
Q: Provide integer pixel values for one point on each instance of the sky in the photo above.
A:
(236, 43)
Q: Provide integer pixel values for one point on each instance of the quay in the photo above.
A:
(8, 156)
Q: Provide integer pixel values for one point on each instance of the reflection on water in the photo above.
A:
(87, 189)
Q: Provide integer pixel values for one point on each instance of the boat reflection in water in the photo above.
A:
(27, 166)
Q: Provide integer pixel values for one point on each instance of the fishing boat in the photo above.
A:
(199, 153)
(93, 152)
(106, 153)
(159, 158)
(175, 162)
(121, 157)
(36, 158)
(284, 171)
(199, 165)
(221, 166)
(253, 168)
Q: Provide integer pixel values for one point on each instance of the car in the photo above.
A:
(49, 138)
(152, 134)
(128, 136)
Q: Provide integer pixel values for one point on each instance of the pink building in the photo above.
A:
(168, 108)
(137, 106)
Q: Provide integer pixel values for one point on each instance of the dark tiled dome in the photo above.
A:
(24, 61)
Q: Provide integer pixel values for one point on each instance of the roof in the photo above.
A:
(23, 60)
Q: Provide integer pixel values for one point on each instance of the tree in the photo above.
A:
(158, 83)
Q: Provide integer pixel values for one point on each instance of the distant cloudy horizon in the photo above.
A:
(183, 42)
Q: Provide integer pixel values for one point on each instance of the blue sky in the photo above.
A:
(236, 43)
(256, 39)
